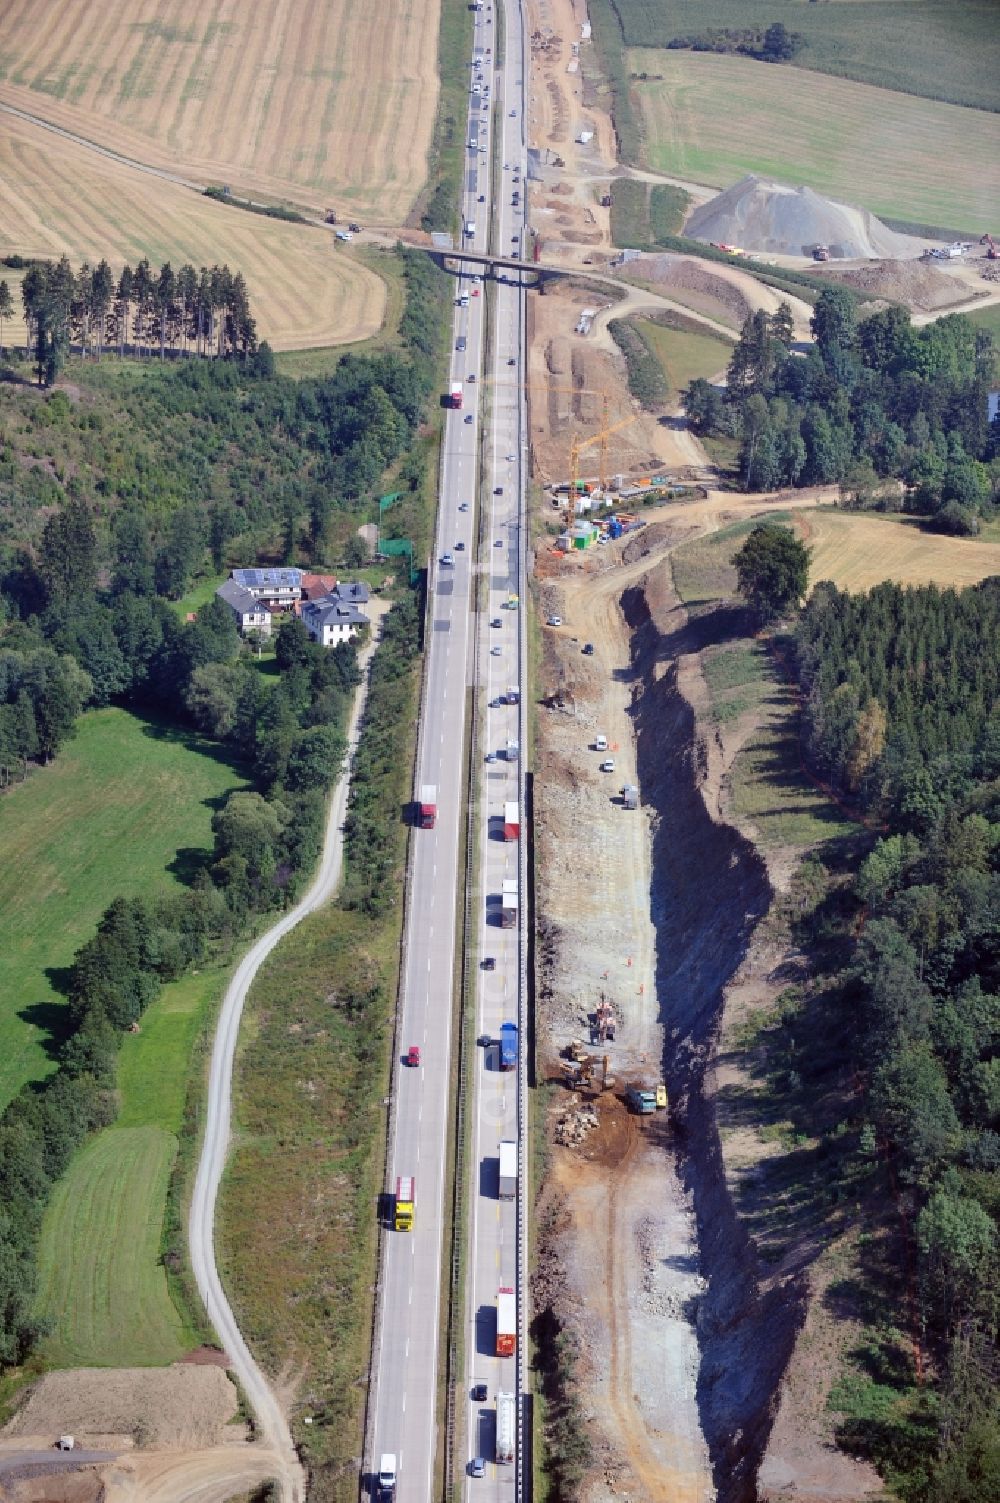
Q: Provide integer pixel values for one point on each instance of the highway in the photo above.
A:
(493, 1256)
(460, 668)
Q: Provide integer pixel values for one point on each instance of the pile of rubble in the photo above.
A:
(573, 1124)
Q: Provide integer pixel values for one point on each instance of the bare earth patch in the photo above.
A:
(187, 1405)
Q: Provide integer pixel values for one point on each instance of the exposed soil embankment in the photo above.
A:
(710, 889)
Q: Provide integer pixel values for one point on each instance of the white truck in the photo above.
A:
(508, 1170)
(506, 1427)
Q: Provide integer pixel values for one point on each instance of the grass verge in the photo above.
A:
(644, 216)
(683, 348)
(438, 208)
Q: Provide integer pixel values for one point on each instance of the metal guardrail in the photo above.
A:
(523, 1476)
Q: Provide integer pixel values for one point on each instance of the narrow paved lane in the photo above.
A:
(271, 1424)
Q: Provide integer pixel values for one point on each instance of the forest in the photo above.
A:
(872, 403)
(152, 480)
(901, 717)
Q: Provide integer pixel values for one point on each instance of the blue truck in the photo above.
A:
(508, 1046)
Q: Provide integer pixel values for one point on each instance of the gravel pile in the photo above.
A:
(915, 283)
(760, 215)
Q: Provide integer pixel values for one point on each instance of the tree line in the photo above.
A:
(145, 310)
(902, 714)
(873, 401)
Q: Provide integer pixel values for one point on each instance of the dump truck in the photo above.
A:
(508, 1170)
(405, 1190)
(641, 1100)
(387, 1476)
(821, 253)
(506, 1427)
(454, 398)
(506, 1323)
(511, 820)
(508, 903)
(508, 1046)
(427, 807)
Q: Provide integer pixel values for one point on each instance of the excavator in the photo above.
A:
(992, 249)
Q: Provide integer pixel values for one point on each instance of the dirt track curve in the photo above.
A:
(271, 1422)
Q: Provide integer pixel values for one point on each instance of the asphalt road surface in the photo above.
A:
(271, 1423)
(492, 1259)
(408, 1338)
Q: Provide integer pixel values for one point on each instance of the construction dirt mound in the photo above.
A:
(760, 215)
(915, 283)
(185, 1405)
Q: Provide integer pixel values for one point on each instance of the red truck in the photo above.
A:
(454, 397)
(506, 1323)
(427, 807)
(511, 821)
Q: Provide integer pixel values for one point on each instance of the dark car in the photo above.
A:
(498, 490)
(480, 1393)
(489, 962)
(588, 649)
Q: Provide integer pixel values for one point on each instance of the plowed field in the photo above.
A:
(314, 101)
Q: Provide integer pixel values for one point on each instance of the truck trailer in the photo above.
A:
(508, 903)
(511, 820)
(506, 1323)
(508, 1046)
(427, 807)
(508, 1170)
(405, 1191)
(454, 395)
(506, 1427)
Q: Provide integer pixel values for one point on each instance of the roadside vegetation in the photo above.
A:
(644, 216)
(298, 1228)
(440, 204)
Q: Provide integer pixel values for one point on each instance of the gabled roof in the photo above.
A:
(239, 599)
(269, 579)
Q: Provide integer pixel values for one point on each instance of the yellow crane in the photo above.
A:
(577, 448)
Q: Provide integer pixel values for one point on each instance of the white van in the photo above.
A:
(600, 743)
(470, 227)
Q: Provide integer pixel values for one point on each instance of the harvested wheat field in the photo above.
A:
(315, 100)
(858, 551)
(57, 197)
(715, 119)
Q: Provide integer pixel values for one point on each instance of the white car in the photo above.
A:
(553, 621)
(496, 652)
(511, 458)
(447, 558)
(608, 765)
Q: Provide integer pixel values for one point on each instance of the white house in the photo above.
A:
(251, 614)
(279, 588)
(336, 617)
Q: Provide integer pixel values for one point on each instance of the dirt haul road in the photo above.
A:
(621, 1268)
(271, 1421)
